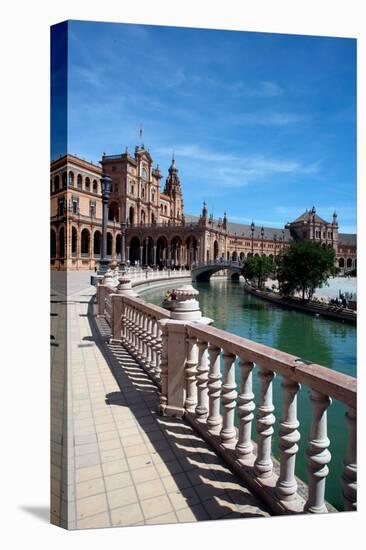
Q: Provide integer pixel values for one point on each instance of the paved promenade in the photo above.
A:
(126, 464)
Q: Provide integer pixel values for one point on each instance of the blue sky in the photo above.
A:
(262, 125)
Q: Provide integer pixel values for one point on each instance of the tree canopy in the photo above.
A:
(305, 266)
(257, 269)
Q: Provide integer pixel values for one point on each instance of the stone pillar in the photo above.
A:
(106, 191)
(141, 255)
(154, 261)
(178, 366)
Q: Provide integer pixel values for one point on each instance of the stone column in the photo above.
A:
(141, 255)
(155, 254)
(202, 379)
(214, 389)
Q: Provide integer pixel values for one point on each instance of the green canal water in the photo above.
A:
(328, 343)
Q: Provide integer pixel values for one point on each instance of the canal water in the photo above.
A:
(326, 342)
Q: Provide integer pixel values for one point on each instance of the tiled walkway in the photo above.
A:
(126, 464)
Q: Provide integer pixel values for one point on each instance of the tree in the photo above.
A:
(257, 269)
(305, 266)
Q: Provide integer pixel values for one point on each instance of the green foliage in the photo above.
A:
(257, 269)
(305, 266)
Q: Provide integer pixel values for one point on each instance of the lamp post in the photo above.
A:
(106, 191)
(123, 246)
(252, 226)
(262, 235)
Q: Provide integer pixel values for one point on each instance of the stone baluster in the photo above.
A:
(263, 465)
(148, 341)
(159, 347)
(134, 332)
(143, 336)
(229, 395)
(127, 341)
(349, 477)
(317, 453)
(130, 328)
(140, 321)
(154, 327)
(289, 436)
(246, 406)
(163, 366)
(214, 389)
(190, 374)
(202, 379)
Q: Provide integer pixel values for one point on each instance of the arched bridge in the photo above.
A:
(202, 272)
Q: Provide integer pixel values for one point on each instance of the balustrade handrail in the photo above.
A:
(150, 309)
(332, 383)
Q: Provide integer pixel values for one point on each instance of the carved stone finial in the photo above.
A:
(125, 287)
(184, 306)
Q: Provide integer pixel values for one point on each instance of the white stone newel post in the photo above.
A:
(263, 465)
(202, 379)
(164, 366)
(289, 437)
(229, 395)
(317, 453)
(101, 293)
(244, 447)
(184, 308)
(214, 389)
(349, 477)
(190, 371)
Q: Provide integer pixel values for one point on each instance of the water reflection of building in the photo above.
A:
(158, 232)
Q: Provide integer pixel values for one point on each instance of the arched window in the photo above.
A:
(145, 175)
(152, 196)
(64, 179)
(61, 237)
(152, 218)
(349, 262)
(57, 183)
(79, 182)
(341, 262)
(113, 212)
(132, 189)
(118, 245)
(87, 184)
(161, 209)
(95, 186)
(85, 239)
(143, 193)
(109, 244)
(71, 179)
(165, 209)
(97, 243)
(143, 217)
(53, 243)
(74, 241)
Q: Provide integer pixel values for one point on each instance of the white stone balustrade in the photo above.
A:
(183, 355)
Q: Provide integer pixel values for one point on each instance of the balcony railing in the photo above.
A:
(184, 359)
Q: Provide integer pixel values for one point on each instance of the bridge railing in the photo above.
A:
(224, 263)
(184, 358)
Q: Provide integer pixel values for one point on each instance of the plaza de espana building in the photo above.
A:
(157, 231)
